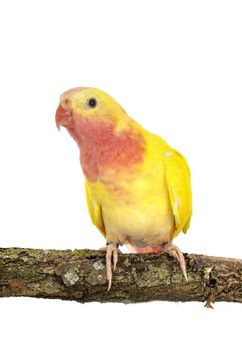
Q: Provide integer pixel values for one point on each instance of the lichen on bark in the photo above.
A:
(81, 275)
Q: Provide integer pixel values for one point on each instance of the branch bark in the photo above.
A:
(80, 275)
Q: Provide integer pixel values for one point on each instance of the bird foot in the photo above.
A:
(111, 258)
(174, 251)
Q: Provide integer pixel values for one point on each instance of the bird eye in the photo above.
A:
(92, 102)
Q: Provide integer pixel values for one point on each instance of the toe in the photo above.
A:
(115, 258)
(174, 251)
(111, 258)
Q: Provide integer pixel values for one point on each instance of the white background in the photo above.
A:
(176, 67)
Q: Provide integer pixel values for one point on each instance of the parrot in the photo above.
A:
(138, 188)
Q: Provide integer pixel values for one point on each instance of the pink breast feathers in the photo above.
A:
(101, 147)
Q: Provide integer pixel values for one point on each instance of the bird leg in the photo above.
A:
(174, 251)
(111, 250)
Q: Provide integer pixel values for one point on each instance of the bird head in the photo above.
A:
(83, 108)
(106, 135)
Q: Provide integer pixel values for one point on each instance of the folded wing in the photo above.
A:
(179, 187)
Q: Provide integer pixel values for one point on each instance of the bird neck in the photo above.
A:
(103, 148)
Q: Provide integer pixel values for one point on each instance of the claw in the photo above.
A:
(111, 257)
(174, 251)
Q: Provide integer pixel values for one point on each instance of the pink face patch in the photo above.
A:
(101, 148)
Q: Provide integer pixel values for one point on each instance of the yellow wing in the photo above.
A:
(95, 211)
(179, 188)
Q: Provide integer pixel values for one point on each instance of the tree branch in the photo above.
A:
(80, 275)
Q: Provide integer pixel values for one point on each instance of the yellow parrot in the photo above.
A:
(138, 188)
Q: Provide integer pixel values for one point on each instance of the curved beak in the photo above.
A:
(63, 117)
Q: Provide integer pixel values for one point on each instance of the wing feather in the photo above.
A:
(95, 211)
(179, 189)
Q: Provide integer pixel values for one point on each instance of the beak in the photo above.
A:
(63, 117)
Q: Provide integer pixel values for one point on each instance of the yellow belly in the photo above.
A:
(140, 226)
(136, 211)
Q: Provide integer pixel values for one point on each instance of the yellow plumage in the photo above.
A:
(152, 205)
(138, 188)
